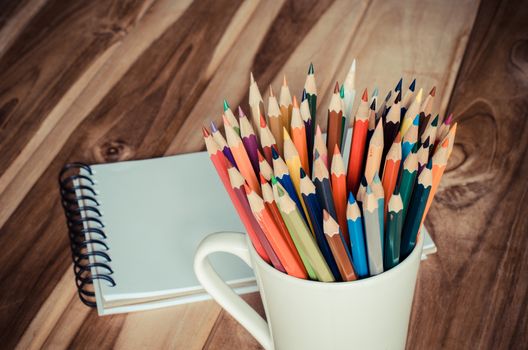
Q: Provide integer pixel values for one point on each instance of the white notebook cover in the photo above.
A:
(155, 213)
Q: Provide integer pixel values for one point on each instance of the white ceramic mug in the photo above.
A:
(367, 314)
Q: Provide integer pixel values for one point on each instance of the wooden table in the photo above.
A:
(112, 80)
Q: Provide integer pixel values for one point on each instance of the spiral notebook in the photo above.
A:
(134, 227)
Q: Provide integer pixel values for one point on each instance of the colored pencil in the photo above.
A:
(408, 177)
(289, 259)
(357, 238)
(241, 157)
(280, 170)
(415, 213)
(371, 123)
(398, 87)
(360, 196)
(267, 140)
(409, 138)
(357, 146)
(285, 104)
(265, 167)
(374, 154)
(439, 161)
(249, 139)
(311, 95)
(430, 132)
(320, 147)
(301, 234)
(379, 192)
(322, 184)
(443, 129)
(220, 163)
(256, 103)
(391, 170)
(275, 120)
(309, 129)
(391, 127)
(407, 97)
(298, 135)
(344, 126)
(237, 184)
(372, 234)
(427, 105)
(271, 204)
(335, 113)
(412, 112)
(231, 117)
(384, 108)
(422, 155)
(391, 253)
(339, 191)
(338, 247)
(222, 143)
(315, 216)
(350, 94)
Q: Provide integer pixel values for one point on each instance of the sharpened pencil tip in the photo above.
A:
(226, 121)
(433, 91)
(271, 91)
(274, 153)
(251, 78)
(342, 91)
(375, 92)
(373, 105)
(336, 88)
(311, 69)
(284, 81)
(336, 150)
(262, 179)
(295, 103)
(449, 119)
(416, 120)
(399, 85)
(435, 121)
(325, 215)
(365, 95)
(213, 127)
(303, 95)
(226, 105)
(247, 189)
(413, 85)
(273, 180)
(260, 156)
(303, 173)
(262, 121)
(205, 132)
(351, 198)
(398, 98)
(241, 113)
(397, 139)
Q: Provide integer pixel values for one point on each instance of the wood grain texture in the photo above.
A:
(143, 78)
(482, 264)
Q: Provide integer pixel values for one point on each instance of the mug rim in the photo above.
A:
(365, 281)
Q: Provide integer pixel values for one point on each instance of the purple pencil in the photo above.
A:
(220, 140)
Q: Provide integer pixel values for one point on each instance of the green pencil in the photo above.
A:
(301, 235)
(408, 178)
(416, 210)
(391, 254)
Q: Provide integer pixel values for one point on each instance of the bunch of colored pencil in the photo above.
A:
(306, 213)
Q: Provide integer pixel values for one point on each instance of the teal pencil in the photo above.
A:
(357, 237)
(372, 226)
(408, 178)
(391, 253)
(416, 210)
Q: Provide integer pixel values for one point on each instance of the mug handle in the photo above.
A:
(233, 243)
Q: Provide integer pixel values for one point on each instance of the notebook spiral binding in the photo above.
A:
(85, 230)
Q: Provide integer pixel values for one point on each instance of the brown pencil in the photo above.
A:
(338, 247)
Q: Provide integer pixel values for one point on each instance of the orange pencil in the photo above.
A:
(237, 184)
(285, 104)
(374, 154)
(269, 202)
(391, 170)
(287, 258)
(335, 122)
(241, 157)
(339, 191)
(298, 135)
(265, 167)
(267, 140)
(275, 120)
(220, 163)
(357, 146)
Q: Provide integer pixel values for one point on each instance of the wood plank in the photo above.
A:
(154, 86)
(47, 72)
(482, 263)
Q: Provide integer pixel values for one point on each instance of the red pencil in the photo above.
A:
(339, 191)
(357, 146)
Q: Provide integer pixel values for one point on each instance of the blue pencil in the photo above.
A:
(316, 217)
(357, 237)
(283, 176)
